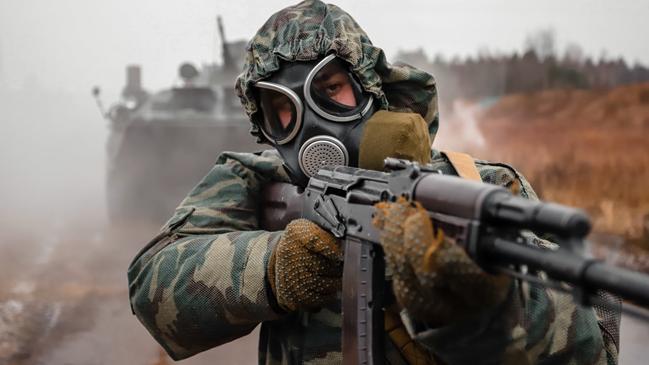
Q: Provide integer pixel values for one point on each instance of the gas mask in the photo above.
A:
(314, 114)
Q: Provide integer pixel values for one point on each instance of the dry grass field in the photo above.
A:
(583, 148)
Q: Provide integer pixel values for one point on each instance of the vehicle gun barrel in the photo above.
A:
(228, 61)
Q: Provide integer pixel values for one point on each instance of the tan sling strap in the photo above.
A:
(463, 164)
(412, 351)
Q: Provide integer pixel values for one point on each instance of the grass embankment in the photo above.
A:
(583, 148)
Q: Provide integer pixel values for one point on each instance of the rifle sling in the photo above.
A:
(463, 165)
(411, 351)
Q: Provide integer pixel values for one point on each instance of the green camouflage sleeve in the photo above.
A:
(533, 325)
(202, 281)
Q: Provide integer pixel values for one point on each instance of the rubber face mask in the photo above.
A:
(314, 114)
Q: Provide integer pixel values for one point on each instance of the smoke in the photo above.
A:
(460, 128)
(63, 290)
(52, 148)
(51, 185)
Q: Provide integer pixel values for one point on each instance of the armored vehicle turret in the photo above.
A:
(162, 143)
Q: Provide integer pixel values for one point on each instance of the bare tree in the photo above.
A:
(542, 42)
(573, 55)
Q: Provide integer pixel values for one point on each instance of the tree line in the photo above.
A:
(537, 68)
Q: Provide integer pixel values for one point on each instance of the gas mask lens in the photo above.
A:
(282, 111)
(332, 88)
(332, 91)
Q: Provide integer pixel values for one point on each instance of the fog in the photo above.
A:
(54, 235)
(53, 52)
(73, 44)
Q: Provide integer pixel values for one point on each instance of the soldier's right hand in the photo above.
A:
(305, 268)
(433, 277)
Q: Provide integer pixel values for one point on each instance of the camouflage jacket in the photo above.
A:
(202, 282)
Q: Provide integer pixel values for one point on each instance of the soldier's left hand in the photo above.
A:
(433, 278)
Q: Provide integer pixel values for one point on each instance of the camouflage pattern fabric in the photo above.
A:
(202, 283)
(207, 268)
(311, 30)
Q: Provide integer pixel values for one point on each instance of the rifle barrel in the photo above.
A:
(563, 265)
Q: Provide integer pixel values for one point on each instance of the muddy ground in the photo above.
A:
(72, 306)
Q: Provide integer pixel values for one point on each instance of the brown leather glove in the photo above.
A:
(433, 278)
(305, 268)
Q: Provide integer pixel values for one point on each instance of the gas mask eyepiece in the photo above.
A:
(313, 113)
(282, 112)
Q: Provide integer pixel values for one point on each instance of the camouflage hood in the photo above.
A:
(311, 30)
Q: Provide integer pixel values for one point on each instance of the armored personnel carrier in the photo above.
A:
(162, 143)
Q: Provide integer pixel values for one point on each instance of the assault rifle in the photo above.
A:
(487, 220)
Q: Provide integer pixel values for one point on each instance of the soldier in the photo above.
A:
(314, 82)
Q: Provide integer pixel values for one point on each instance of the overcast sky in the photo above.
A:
(73, 44)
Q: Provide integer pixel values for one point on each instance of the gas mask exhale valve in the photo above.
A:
(313, 113)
